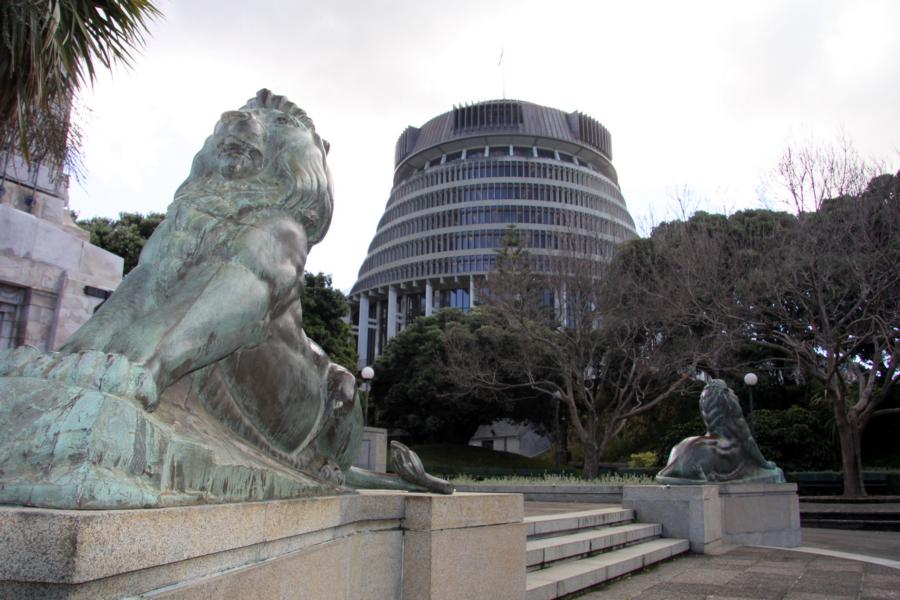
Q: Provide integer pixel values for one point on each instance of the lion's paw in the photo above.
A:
(13, 362)
(109, 373)
(331, 473)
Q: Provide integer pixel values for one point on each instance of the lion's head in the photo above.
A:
(719, 406)
(269, 148)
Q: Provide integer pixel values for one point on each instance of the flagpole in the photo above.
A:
(502, 72)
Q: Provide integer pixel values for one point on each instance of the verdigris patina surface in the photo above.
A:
(727, 453)
(195, 381)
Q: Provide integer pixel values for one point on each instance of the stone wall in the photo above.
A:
(375, 545)
(52, 260)
(604, 494)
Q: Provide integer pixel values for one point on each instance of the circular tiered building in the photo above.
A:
(460, 181)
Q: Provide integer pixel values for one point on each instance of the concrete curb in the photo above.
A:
(874, 560)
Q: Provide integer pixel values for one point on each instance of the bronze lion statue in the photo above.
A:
(210, 320)
(727, 453)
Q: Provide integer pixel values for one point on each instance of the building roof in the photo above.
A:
(512, 120)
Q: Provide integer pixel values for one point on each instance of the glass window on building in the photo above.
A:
(12, 305)
(525, 151)
(458, 298)
(415, 307)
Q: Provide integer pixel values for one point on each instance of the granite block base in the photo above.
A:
(712, 516)
(374, 545)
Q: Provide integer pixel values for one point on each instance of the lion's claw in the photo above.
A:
(109, 373)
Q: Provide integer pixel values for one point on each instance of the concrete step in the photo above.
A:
(544, 525)
(849, 515)
(852, 523)
(589, 541)
(568, 577)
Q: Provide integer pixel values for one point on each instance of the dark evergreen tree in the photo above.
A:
(324, 313)
(124, 236)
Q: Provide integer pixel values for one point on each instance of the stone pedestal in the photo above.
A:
(712, 515)
(376, 545)
(373, 454)
(761, 514)
(691, 512)
(464, 546)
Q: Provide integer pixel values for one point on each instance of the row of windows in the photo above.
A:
(487, 238)
(498, 167)
(507, 214)
(504, 191)
(448, 266)
(506, 151)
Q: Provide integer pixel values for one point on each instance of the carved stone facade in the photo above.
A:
(51, 277)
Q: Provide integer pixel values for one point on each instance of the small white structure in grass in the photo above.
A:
(508, 436)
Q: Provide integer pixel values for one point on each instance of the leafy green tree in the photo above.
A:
(818, 291)
(48, 50)
(124, 236)
(324, 311)
(413, 390)
(569, 340)
(834, 310)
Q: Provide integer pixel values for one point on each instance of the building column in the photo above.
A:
(429, 298)
(563, 306)
(362, 338)
(471, 292)
(392, 312)
(377, 329)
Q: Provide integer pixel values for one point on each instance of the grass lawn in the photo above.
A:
(456, 458)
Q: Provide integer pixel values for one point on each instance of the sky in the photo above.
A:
(701, 98)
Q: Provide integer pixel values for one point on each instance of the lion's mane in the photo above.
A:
(289, 181)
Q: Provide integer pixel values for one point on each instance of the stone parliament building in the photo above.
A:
(460, 181)
(51, 277)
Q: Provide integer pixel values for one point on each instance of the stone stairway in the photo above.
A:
(568, 552)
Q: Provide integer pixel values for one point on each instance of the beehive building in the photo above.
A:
(460, 180)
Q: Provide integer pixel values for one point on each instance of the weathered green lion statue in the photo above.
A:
(727, 453)
(195, 382)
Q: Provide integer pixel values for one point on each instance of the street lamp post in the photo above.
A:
(367, 374)
(750, 379)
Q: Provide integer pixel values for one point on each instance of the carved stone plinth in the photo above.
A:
(374, 545)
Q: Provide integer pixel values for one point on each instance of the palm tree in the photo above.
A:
(48, 50)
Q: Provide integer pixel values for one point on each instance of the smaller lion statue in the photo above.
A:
(727, 453)
(210, 323)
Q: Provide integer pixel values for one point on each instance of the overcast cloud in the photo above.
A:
(699, 94)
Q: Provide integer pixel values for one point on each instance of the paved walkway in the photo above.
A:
(880, 544)
(756, 573)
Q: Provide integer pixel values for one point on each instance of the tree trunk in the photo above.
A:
(591, 467)
(851, 462)
(558, 438)
(850, 435)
